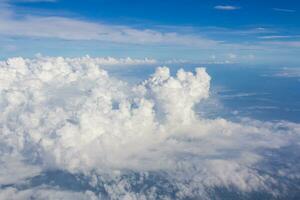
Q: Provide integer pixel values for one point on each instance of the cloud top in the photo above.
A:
(69, 114)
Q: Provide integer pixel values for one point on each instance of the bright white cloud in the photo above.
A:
(69, 114)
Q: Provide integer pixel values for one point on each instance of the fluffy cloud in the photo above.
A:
(131, 141)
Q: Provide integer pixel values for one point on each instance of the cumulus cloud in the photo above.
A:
(128, 141)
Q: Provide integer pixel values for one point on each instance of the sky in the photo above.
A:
(149, 99)
(208, 31)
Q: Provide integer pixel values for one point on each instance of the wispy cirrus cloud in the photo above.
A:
(35, 1)
(17, 24)
(85, 36)
(284, 10)
(288, 72)
(75, 29)
(294, 44)
(226, 7)
(278, 36)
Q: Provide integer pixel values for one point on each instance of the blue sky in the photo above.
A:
(207, 31)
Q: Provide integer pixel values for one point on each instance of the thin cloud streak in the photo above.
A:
(73, 29)
(278, 36)
(295, 44)
(284, 10)
(36, 1)
(226, 7)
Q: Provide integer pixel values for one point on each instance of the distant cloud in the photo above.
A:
(111, 60)
(278, 36)
(74, 29)
(295, 44)
(35, 1)
(232, 56)
(284, 10)
(288, 73)
(226, 7)
(17, 26)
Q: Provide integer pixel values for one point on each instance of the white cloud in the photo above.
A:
(226, 7)
(284, 10)
(45, 194)
(294, 43)
(288, 72)
(278, 36)
(13, 169)
(107, 61)
(75, 29)
(69, 114)
(88, 37)
(34, 1)
(232, 56)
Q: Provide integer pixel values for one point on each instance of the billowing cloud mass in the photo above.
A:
(67, 119)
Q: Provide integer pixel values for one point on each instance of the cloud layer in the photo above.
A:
(76, 29)
(127, 141)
